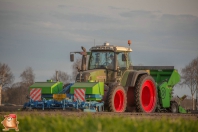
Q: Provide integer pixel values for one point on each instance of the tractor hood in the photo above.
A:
(96, 75)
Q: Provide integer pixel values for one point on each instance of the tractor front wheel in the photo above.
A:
(116, 99)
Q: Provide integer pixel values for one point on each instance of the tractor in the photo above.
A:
(107, 80)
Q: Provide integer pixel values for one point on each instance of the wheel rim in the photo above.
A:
(148, 96)
(119, 101)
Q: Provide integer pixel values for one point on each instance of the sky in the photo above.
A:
(42, 33)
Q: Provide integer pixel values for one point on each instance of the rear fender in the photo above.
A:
(130, 77)
(135, 76)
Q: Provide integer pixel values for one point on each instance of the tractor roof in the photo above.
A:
(114, 48)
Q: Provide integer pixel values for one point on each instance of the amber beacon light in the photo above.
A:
(129, 42)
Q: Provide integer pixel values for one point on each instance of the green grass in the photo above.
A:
(59, 123)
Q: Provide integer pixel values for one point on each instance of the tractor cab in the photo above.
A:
(113, 59)
(109, 57)
(106, 63)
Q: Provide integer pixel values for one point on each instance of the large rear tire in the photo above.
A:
(146, 94)
(116, 99)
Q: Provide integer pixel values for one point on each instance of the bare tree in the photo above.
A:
(4, 95)
(189, 76)
(16, 94)
(76, 65)
(27, 77)
(62, 76)
(6, 76)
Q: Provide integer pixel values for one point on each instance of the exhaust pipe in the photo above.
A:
(84, 58)
(56, 76)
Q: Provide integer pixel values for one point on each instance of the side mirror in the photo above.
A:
(71, 57)
(124, 57)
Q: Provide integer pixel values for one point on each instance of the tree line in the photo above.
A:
(189, 79)
(16, 93)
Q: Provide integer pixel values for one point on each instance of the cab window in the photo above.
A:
(122, 63)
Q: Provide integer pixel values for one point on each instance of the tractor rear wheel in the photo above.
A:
(146, 94)
(116, 99)
(174, 107)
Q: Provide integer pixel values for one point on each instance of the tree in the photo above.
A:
(189, 76)
(76, 65)
(27, 77)
(62, 76)
(16, 94)
(6, 76)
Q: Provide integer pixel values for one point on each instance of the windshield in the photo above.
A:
(101, 60)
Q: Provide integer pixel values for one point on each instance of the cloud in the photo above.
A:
(140, 14)
(116, 8)
(51, 25)
(86, 18)
(64, 6)
(44, 34)
(154, 23)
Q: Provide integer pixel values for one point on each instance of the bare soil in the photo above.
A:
(10, 108)
(77, 113)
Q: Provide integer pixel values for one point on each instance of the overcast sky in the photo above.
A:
(41, 34)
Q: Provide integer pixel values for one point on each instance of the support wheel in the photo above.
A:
(145, 94)
(116, 99)
(174, 107)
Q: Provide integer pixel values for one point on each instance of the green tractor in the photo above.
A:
(107, 75)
